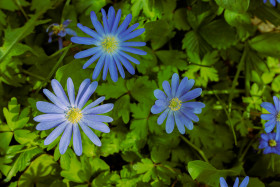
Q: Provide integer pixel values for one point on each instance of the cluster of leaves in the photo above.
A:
(231, 49)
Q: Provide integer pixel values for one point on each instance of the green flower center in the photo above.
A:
(109, 44)
(278, 117)
(57, 29)
(74, 115)
(175, 104)
(272, 143)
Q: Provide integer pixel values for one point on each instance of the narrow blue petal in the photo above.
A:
(54, 99)
(66, 22)
(83, 87)
(236, 182)
(92, 59)
(59, 92)
(99, 109)
(169, 122)
(245, 182)
(50, 124)
(194, 105)
(160, 94)
(130, 29)
(267, 116)
(116, 21)
(71, 91)
(179, 122)
(85, 97)
(77, 141)
(56, 132)
(133, 50)
(98, 118)
(191, 95)
(265, 137)
(113, 69)
(223, 183)
(119, 65)
(263, 144)
(277, 131)
(61, 33)
(105, 21)
(269, 107)
(49, 108)
(273, 2)
(188, 123)
(174, 84)
(93, 104)
(50, 39)
(97, 25)
(98, 126)
(157, 109)
(65, 139)
(132, 34)
(84, 40)
(89, 31)
(134, 44)
(276, 103)
(126, 64)
(269, 126)
(98, 67)
(162, 117)
(124, 24)
(87, 52)
(106, 67)
(90, 134)
(111, 17)
(166, 88)
(184, 86)
(60, 43)
(70, 32)
(134, 60)
(190, 115)
(163, 103)
(49, 117)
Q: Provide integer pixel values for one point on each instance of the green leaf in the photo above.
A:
(222, 39)
(180, 19)
(106, 179)
(276, 84)
(26, 137)
(236, 5)
(122, 109)
(5, 139)
(149, 9)
(267, 44)
(173, 58)
(112, 90)
(255, 182)
(15, 118)
(86, 6)
(206, 173)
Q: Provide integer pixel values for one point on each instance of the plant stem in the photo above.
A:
(196, 148)
(28, 149)
(212, 92)
(32, 74)
(229, 118)
(247, 148)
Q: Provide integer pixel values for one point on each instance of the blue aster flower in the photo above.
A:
(173, 103)
(273, 117)
(269, 143)
(110, 41)
(273, 2)
(68, 114)
(60, 30)
(244, 183)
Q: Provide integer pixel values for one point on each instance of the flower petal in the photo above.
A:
(189, 114)
(85, 97)
(54, 99)
(83, 87)
(89, 31)
(119, 65)
(105, 21)
(98, 67)
(97, 25)
(87, 53)
(116, 21)
(98, 118)
(113, 69)
(157, 109)
(124, 24)
(267, 116)
(106, 67)
(98, 126)
(160, 94)
(49, 108)
(56, 132)
(100, 109)
(93, 104)
(77, 141)
(223, 183)
(71, 91)
(94, 58)
(179, 122)
(194, 105)
(276, 103)
(59, 92)
(166, 88)
(245, 182)
(170, 122)
(84, 40)
(49, 117)
(90, 134)
(174, 84)
(126, 64)
(65, 139)
(133, 50)
(134, 44)
(162, 117)
(48, 125)
(269, 107)
(111, 17)
(184, 86)
(191, 95)
(130, 58)
(236, 182)
(132, 34)
(130, 29)
(70, 32)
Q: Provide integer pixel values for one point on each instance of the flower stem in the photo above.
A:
(32, 74)
(196, 148)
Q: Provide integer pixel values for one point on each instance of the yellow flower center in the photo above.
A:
(109, 44)
(175, 104)
(278, 117)
(57, 29)
(272, 143)
(74, 115)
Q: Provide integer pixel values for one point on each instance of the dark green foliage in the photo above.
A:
(231, 48)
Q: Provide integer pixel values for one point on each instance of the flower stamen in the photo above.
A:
(57, 28)
(74, 115)
(109, 44)
(175, 104)
(272, 143)
(278, 117)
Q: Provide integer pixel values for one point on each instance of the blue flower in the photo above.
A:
(67, 115)
(269, 143)
(174, 106)
(244, 183)
(110, 41)
(60, 31)
(273, 117)
(273, 2)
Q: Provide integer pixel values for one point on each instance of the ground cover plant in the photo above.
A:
(140, 93)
